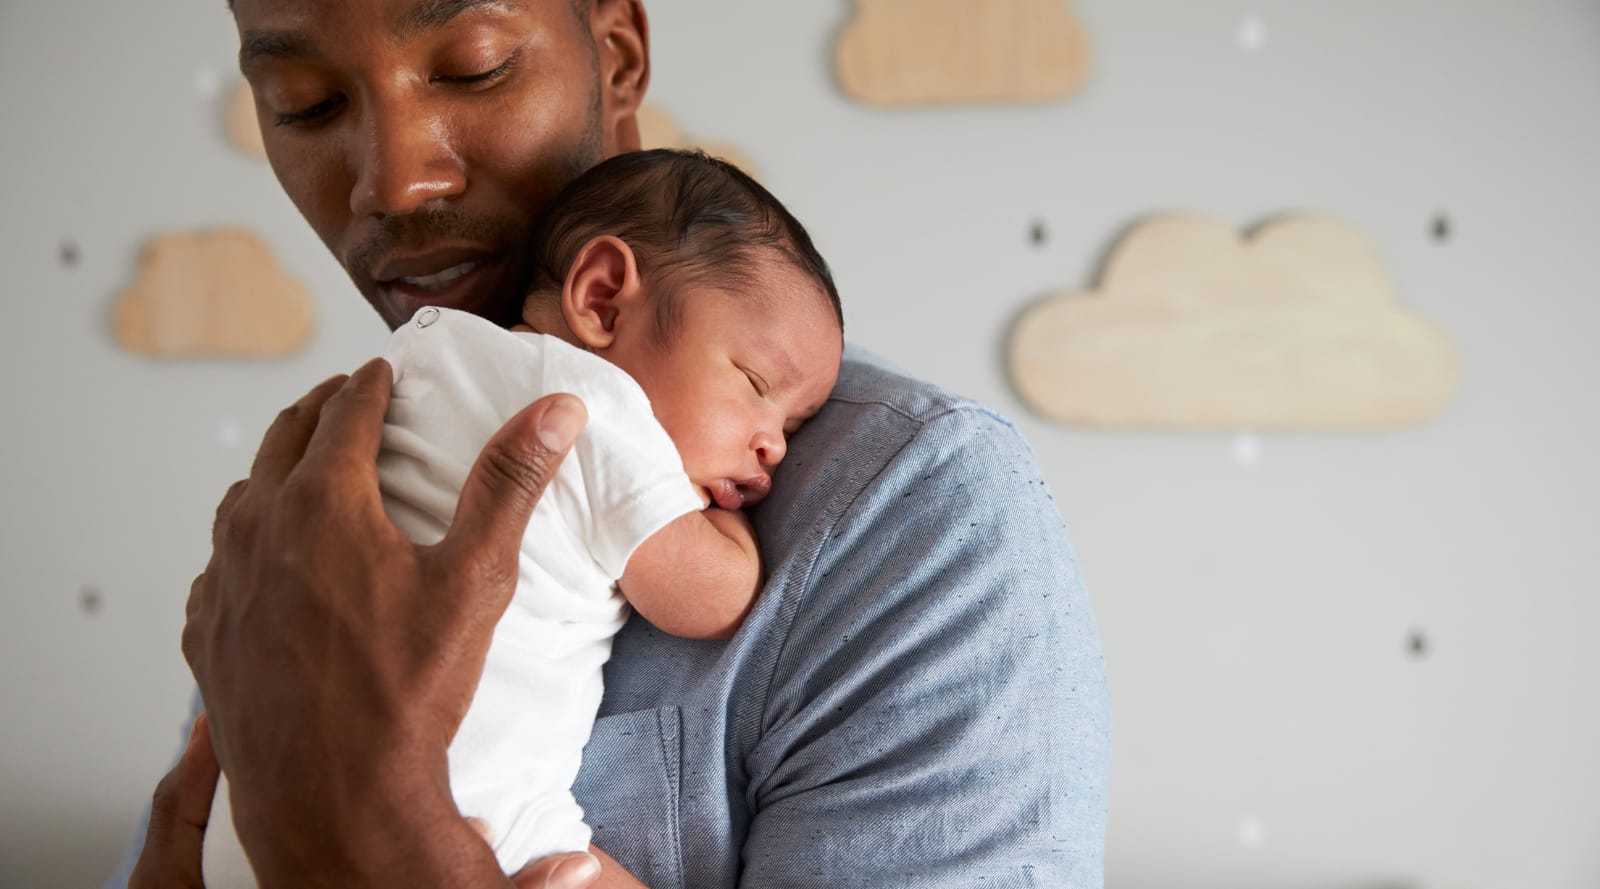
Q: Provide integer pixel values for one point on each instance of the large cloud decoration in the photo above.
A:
(1292, 327)
(920, 52)
(212, 294)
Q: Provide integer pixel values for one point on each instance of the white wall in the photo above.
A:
(1272, 727)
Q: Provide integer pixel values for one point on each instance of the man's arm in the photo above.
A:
(939, 716)
(336, 658)
(698, 576)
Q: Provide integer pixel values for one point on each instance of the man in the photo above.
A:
(917, 698)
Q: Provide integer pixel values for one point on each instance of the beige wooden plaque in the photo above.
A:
(657, 129)
(926, 52)
(244, 128)
(1193, 326)
(212, 294)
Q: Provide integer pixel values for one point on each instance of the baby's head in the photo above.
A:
(692, 278)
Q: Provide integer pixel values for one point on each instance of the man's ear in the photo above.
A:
(602, 287)
(622, 40)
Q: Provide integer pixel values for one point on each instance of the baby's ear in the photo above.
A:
(602, 286)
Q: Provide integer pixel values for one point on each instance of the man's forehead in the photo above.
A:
(403, 18)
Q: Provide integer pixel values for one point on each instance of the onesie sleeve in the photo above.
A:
(633, 476)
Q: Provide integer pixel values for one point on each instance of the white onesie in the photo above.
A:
(458, 379)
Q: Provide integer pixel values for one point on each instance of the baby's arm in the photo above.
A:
(698, 576)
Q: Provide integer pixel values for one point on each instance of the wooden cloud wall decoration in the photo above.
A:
(212, 294)
(928, 52)
(1291, 327)
(244, 128)
(657, 129)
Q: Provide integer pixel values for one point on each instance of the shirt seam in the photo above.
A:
(945, 409)
(674, 788)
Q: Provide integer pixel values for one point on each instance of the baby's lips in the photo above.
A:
(727, 494)
(755, 490)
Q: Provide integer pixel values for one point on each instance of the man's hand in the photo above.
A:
(336, 658)
(181, 809)
(178, 815)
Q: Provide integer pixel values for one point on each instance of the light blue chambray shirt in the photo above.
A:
(918, 698)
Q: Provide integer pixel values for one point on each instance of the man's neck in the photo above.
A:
(543, 315)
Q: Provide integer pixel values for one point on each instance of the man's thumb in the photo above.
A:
(511, 474)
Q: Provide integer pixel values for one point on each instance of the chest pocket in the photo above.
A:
(629, 786)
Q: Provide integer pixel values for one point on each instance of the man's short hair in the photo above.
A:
(689, 218)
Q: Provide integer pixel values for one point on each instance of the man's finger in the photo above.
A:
(197, 776)
(285, 441)
(573, 870)
(179, 812)
(510, 475)
(350, 427)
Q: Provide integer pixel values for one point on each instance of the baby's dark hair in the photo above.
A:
(689, 218)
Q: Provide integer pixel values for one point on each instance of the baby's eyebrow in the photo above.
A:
(780, 357)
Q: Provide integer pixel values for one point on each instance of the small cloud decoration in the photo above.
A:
(657, 129)
(244, 128)
(931, 52)
(212, 294)
(1293, 327)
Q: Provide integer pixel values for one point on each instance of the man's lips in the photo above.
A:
(438, 280)
(426, 269)
(469, 283)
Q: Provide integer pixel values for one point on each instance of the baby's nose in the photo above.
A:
(770, 450)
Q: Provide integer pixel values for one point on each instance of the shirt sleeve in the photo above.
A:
(939, 716)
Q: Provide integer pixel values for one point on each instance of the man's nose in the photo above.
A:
(403, 158)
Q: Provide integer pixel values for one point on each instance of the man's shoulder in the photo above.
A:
(866, 378)
(888, 453)
(879, 413)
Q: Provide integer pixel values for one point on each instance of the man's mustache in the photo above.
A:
(418, 230)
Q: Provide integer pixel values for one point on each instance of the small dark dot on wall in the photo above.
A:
(1417, 644)
(1441, 228)
(1037, 233)
(91, 601)
(69, 255)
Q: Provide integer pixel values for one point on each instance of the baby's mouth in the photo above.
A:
(726, 495)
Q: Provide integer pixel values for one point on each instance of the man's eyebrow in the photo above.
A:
(430, 14)
(274, 44)
(424, 16)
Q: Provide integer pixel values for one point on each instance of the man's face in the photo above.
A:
(422, 138)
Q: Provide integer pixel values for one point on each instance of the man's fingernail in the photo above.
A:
(561, 423)
(576, 872)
